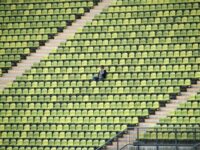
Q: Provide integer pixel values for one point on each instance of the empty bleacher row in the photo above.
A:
(151, 53)
(27, 25)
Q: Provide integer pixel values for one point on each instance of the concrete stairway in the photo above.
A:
(131, 135)
(50, 45)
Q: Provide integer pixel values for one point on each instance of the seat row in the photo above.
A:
(133, 41)
(84, 98)
(159, 13)
(179, 127)
(190, 104)
(71, 120)
(180, 120)
(165, 33)
(72, 106)
(137, 63)
(9, 58)
(139, 26)
(44, 5)
(148, 7)
(126, 54)
(193, 111)
(85, 71)
(111, 112)
(52, 142)
(185, 136)
(59, 84)
(120, 35)
(35, 25)
(121, 48)
(128, 2)
(60, 127)
(57, 134)
(24, 38)
(94, 90)
(38, 15)
(32, 31)
(151, 22)
(19, 44)
(113, 76)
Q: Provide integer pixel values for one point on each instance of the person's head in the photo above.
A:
(102, 67)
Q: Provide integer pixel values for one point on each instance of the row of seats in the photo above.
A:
(137, 25)
(107, 106)
(164, 13)
(136, 2)
(10, 58)
(132, 41)
(83, 98)
(113, 76)
(134, 64)
(125, 55)
(52, 142)
(149, 7)
(50, 24)
(48, 5)
(39, 15)
(70, 119)
(179, 127)
(107, 113)
(19, 44)
(138, 34)
(189, 112)
(24, 38)
(128, 47)
(60, 127)
(180, 120)
(33, 31)
(90, 36)
(94, 90)
(73, 105)
(173, 136)
(91, 65)
(60, 84)
(56, 134)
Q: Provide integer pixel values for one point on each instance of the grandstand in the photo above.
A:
(50, 51)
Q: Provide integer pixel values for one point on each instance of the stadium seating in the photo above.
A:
(150, 50)
(182, 124)
(27, 24)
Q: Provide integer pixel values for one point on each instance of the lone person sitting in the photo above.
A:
(101, 75)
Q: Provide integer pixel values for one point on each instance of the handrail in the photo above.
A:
(111, 139)
(125, 146)
(195, 146)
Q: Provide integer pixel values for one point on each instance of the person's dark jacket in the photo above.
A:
(104, 74)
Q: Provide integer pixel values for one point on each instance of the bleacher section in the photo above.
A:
(150, 49)
(27, 24)
(182, 124)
